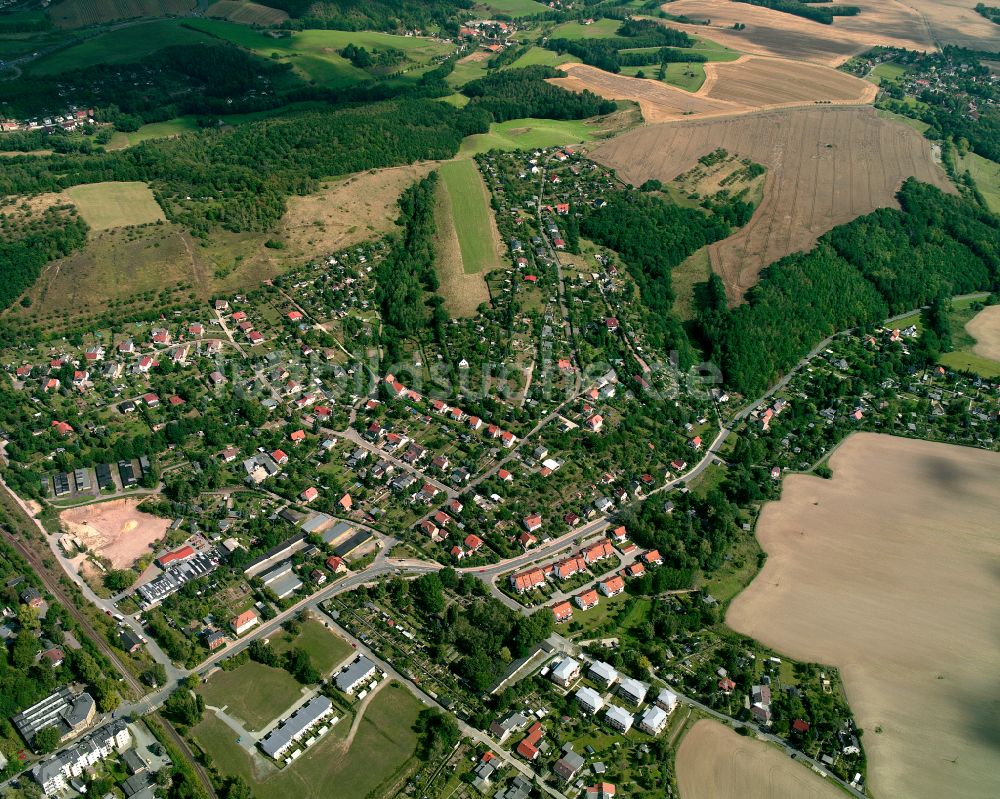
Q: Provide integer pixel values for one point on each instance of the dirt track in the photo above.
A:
(826, 166)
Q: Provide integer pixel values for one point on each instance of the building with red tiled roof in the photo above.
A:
(612, 586)
(586, 600)
(597, 552)
(309, 494)
(298, 436)
(652, 558)
(562, 611)
(528, 748)
(636, 570)
(532, 522)
(243, 622)
(177, 555)
(473, 543)
(526, 581)
(565, 569)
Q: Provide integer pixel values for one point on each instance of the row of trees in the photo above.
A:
(816, 12)
(858, 274)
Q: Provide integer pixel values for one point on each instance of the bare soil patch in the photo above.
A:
(890, 571)
(116, 530)
(826, 166)
(984, 327)
(346, 211)
(714, 762)
(775, 33)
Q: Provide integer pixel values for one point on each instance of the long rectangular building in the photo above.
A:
(176, 575)
(278, 740)
(355, 674)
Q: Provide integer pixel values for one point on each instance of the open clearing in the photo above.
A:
(715, 762)
(826, 166)
(335, 768)
(478, 236)
(984, 327)
(986, 175)
(750, 83)
(116, 204)
(890, 571)
(246, 13)
(116, 530)
(273, 691)
(80, 13)
(462, 292)
(326, 649)
(775, 33)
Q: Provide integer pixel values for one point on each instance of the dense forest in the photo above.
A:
(27, 243)
(181, 79)
(382, 15)
(517, 93)
(992, 13)
(858, 274)
(653, 237)
(606, 53)
(817, 12)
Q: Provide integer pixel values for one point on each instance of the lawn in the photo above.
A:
(526, 134)
(471, 213)
(986, 174)
(115, 204)
(118, 46)
(714, 51)
(326, 648)
(887, 72)
(273, 692)
(382, 749)
(161, 130)
(964, 361)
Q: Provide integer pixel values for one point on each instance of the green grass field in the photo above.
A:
(116, 204)
(524, 134)
(313, 53)
(274, 690)
(161, 130)
(714, 51)
(603, 28)
(539, 55)
(471, 214)
(382, 749)
(326, 648)
(515, 8)
(887, 72)
(118, 46)
(464, 72)
(684, 76)
(986, 175)
(964, 361)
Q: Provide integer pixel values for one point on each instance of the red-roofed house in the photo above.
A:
(652, 558)
(636, 570)
(335, 564)
(526, 581)
(62, 428)
(151, 400)
(508, 439)
(695, 442)
(595, 423)
(562, 611)
(527, 540)
(457, 552)
(243, 622)
(345, 502)
(533, 522)
(309, 494)
(528, 748)
(294, 316)
(612, 586)
(504, 475)
(298, 436)
(597, 552)
(280, 457)
(473, 543)
(603, 790)
(586, 600)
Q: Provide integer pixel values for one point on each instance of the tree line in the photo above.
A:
(605, 53)
(517, 93)
(858, 274)
(817, 13)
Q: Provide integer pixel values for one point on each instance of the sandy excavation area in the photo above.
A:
(984, 327)
(116, 530)
(891, 571)
(775, 33)
(714, 762)
(751, 83)
(825, 166)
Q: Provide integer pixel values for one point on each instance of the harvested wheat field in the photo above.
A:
(984, 327)
(714, 762)
(116, 530)
(751, 83)
(826, 166)
(890, 571)
(659, 102)
(775, 33)
(762, 82)
(956, 22)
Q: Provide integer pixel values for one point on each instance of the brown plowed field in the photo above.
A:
(826, 166)
(769, 32)
(750, 83)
